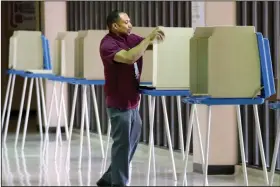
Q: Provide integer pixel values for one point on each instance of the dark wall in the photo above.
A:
(92, 15)
(265, 16)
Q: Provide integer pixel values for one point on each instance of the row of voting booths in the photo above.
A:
(77, 55)
(215, 62)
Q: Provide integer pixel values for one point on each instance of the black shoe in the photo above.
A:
(103, 183)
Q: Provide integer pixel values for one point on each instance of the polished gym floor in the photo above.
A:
(30, 167)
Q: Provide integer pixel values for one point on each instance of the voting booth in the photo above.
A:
(29, 57)
(26, 51)
(166, 64)
(165, 73)
(230, 65)
(224, 62)
(18, 51)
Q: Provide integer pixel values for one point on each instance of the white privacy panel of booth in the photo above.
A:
(65, 54)
(88, 63)
(147, 69)
(167, 65)
(93, 67)
(79, 58)
(221, 59)
(26, 50)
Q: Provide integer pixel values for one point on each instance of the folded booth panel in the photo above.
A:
(199, 66)
(57, 53)
(93, 65)
(65, 58)
(79, 57)
(26, 50)
(12, 52)
(231, 57)
(199, 60)
(171, 59)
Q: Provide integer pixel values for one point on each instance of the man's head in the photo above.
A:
(119, 23)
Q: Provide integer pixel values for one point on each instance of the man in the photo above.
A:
(121, 53)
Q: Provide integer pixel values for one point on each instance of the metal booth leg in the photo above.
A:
(9, 108)
(87, 128)
(72, 124)
(82, 123)
(168, 136)
(194, 114)
(27, 112)
(275, 153)
(65, 118)
(57, 105)
(205, 183)
(47, 118)
(257, 122)
(199, 137)
(58, 112)
(151, 104)
(97, 117)
(242, 149)
(179, 111)
(6, 99)
(58, 127)
(21, 109)
(39, 109)
(190, 125)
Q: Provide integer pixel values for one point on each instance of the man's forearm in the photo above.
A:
(138, 51)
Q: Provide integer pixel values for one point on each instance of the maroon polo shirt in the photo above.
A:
(121, 85)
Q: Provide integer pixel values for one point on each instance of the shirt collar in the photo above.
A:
(118, 37)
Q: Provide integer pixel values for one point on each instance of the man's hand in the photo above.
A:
(157, 34)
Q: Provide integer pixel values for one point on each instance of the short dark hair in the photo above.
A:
(113, 17)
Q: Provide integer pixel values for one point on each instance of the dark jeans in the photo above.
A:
(125, 131)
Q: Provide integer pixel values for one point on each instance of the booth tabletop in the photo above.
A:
(154, 92)
(53, 77)
(80, 81)
(206, 100)
(30, 74)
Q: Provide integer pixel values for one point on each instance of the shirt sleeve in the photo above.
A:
(108, 50)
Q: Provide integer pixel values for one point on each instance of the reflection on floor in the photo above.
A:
(29, 167)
